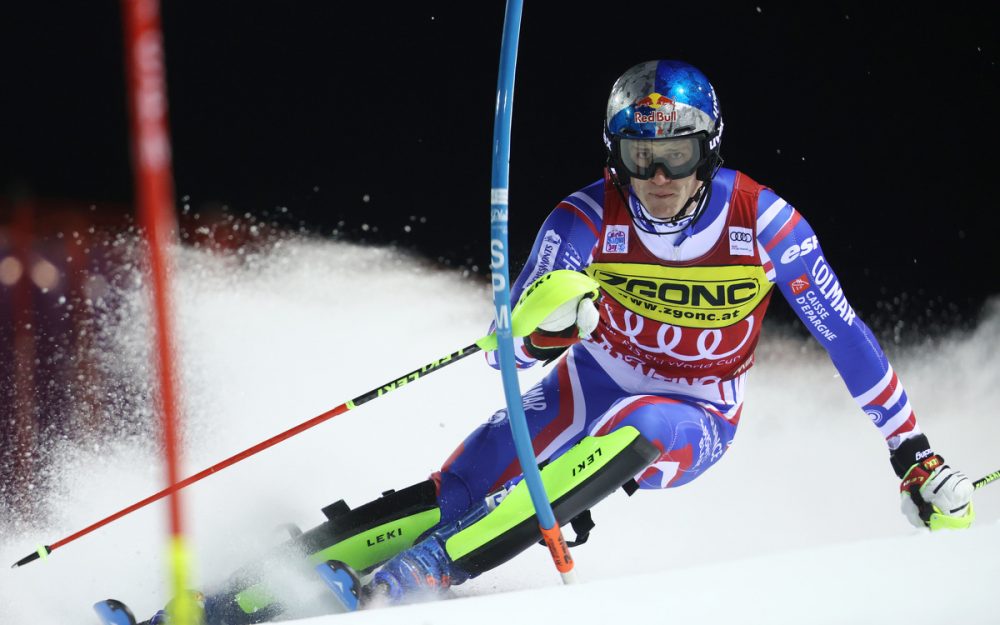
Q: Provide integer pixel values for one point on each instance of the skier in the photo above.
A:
(649, 376)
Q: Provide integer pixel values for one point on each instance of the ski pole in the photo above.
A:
(543, 296)
(379, 391)
(983, 481)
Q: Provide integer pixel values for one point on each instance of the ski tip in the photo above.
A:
(114, 612)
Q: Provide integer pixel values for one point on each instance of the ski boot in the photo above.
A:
(114, 612)
(423, 569)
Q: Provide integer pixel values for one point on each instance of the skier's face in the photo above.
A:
(664, 197)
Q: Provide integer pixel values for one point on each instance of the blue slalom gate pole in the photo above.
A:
(501, 294)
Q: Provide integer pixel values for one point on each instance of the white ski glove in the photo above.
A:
(566, 325)
(934, 495)
(937, 496)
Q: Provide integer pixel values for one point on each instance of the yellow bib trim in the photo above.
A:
(692, 297)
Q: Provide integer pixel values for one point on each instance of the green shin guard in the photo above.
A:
(584, 475)
(366, 537)
(370, 535)
(362, 538)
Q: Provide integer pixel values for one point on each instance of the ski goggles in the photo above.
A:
(678, 156)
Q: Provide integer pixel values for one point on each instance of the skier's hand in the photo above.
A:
(933, 494)
(937, 496)
(574, 320)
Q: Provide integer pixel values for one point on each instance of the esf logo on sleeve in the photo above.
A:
(616, 240)
(799, 250)
(740, 241)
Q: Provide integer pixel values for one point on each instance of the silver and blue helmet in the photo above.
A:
(663, 114)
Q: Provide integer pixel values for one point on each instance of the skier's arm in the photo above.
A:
(794, 261)
(796, 264)
(564, 241)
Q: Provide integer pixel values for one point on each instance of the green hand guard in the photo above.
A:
(545, 294)
(941, 521)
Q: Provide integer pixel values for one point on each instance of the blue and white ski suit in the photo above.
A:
(680, 318)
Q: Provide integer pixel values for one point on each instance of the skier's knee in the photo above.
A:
(453, 495)
(653, 416)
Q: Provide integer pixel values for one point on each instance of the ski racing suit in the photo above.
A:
(651, 399)
(680, 317)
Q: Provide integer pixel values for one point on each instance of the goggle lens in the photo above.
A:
(679, 157)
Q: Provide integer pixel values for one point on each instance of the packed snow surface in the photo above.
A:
(798, 523)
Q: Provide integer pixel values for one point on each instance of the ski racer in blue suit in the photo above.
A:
(687, 255)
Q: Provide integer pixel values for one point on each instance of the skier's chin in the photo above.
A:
(663, 207)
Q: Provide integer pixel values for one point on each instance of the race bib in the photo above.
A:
(693, 297)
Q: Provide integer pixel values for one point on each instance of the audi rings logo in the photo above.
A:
(741, 241)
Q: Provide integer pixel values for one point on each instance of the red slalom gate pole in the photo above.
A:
(151, 162)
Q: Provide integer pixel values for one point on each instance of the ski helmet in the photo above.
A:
(655, 106)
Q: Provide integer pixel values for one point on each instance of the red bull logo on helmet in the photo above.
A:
(652, 103)
(656, 117)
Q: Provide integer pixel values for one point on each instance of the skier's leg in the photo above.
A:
(675, 439)
(486, 535)
(489, 534)
(371, 534)
(362, 538)
(691, 436)
(557, 410)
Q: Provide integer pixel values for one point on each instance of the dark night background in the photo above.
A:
(358, 121)
(373, 122)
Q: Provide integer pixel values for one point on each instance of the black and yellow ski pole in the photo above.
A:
(540, 299)
(983, 481)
